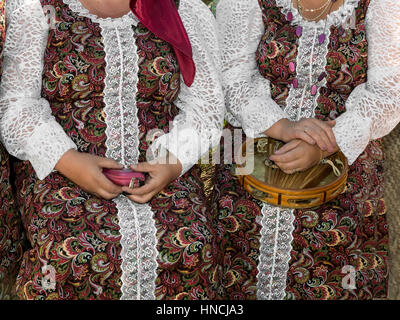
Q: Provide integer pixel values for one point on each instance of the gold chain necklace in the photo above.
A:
(321, 40)
(312, 10)
(326, 7)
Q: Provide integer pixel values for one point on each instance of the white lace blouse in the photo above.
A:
(30, 132)
(373, 108)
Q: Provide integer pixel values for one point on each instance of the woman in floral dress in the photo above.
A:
(88, 86)
(285, 63)
(11, 238)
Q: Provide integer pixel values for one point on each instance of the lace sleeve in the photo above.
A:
(373, 108)
(198, 126)
(27, 128)
(247, 92)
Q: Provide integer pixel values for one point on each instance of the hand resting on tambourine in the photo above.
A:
(311, 179)
(298, 155)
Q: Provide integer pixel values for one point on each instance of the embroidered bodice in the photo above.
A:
(79, 81)
(108, 87)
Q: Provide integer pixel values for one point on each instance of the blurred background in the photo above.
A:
(392, 196)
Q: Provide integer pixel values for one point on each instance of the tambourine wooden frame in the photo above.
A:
(293, 198)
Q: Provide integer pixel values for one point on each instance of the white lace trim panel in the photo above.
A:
(311, 56)
(275, 247)
(137, 226)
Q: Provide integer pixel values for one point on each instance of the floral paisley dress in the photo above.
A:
(11, 236)
(272, 59)
(109, 87)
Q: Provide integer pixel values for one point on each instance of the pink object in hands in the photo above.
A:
(125, 177)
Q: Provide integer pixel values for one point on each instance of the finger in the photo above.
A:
(300, 134)
(149, 187)
(143, 198)
(143, 167)
(108, 163)
(331, 123)
(320, 131)
(291, 167)
(106, 195)
(286, 157)
(288, 146)
(326, 126)
(319, 135)
(105, 184)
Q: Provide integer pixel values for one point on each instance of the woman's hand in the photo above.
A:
(161, 173)
(312, 131)
(86, 171)
(298, 155)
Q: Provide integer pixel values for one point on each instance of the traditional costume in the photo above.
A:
(108, 87)
(344, 67)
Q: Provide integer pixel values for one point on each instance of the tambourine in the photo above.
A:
(310, 188)
(125, 177)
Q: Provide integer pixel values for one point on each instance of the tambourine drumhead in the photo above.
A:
(306, 189)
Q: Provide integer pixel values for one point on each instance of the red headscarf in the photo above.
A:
(161, 17)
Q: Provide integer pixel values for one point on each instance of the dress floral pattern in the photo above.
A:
(11, 236)
(76, 235)
(346, 235)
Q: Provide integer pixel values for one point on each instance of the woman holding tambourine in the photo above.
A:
(323, 78)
